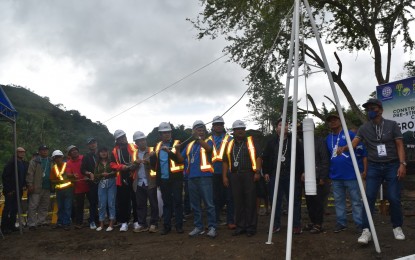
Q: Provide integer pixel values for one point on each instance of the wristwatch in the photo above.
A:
(404, 163)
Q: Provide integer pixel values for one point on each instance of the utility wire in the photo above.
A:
(164, 89)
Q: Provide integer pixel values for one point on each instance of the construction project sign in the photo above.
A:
(398, 100)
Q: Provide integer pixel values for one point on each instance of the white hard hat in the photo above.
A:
(238, 124)
(218, 119)
(118, 133)
(71, 147)
(164, 127)
(197, 124)
(138, 135)
(57, 153)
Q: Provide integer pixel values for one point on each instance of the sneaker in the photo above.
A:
(153, 229)
(136, 225)
(231, 226)
(78, 226)
(339, 228)
(92, 225)
(365, 237)
(165, 231)
(109, 229)
(140, 229)
(124, 227)
(179, 230)
(99, 229)
(196, 231)
(276, 230)
(398, 233)
(212, 232)
(297, 230)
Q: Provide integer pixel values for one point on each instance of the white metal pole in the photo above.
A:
(346, 132)
(293, 135)
(283, 123)
(16, 175)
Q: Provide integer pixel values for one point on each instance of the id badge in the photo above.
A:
(381, 150)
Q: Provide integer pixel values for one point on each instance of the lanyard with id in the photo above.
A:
(381, 148)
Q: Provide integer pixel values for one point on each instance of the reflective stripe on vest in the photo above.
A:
(217, 157)
(174, 167)
(60, 177)
(152, 173)
(132, 149)
(251, 151)
(205, 165)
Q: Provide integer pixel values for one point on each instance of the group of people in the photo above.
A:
(212, 171)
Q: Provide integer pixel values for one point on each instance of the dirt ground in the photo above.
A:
(46, 243)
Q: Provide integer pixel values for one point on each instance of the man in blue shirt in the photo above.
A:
(221, 195)
(343, 176)
(169, 175)
(198, 157)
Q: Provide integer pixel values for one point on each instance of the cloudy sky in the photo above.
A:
(102, 57)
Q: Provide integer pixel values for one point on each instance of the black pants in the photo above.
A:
(316, 204)
(93, 202)
(8, 217)
(142, 194)
(219, 195)
(172, 194)
(79, 207)
(126, 200)
(244, 198)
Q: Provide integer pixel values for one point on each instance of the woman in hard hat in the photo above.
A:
(64, 190)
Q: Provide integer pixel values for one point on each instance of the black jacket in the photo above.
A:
(9, 179)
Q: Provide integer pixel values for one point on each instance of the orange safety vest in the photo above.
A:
(132, 149)
(174, 167)
(217, 156)
(205, 165)
(58, 174)
(251, 150)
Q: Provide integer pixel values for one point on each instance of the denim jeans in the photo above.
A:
(376, 174)
(201, 188)
(339, 194)
(107, 191)
(64, 198)
(284, 189)
(172, 194)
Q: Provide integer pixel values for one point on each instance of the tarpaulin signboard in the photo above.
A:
(398, 100)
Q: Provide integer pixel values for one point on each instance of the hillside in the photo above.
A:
(40, 122)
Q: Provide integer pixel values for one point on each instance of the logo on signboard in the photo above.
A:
(387, 93)
(406, 92)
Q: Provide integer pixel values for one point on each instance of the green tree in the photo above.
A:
(410, 68)
(251, 28)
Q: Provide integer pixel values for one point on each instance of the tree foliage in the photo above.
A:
(40, 122)
(257, 28)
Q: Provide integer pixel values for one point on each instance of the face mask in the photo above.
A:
(372, 114)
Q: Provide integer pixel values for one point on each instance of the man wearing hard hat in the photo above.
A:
(169, 174)
(221, 195)
(144, 186)
(242, 161)
(198, 157)
(64, 191)
(123, 156)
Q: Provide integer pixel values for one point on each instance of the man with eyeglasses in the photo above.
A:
(386, 157)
